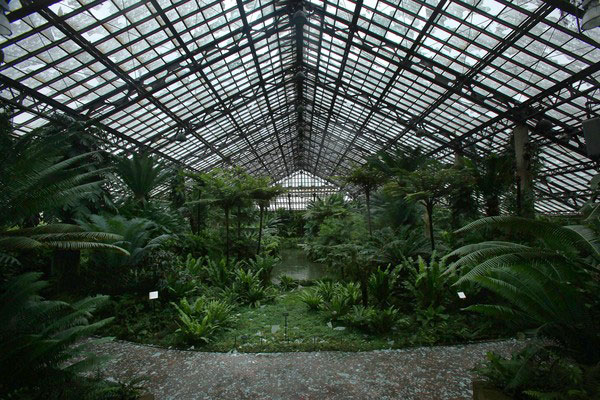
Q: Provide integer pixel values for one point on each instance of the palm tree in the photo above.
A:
(141, 174)
(367, 179)
(263, 196)
(549, 282)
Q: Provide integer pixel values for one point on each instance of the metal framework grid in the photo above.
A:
(301, 188)
(446, 75)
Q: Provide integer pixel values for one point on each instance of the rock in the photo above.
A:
(329, 324)
(274, 328)
(339, 328)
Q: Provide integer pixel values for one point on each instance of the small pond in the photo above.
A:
(295, 263)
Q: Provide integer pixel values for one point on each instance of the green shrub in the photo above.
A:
(338, 306)
(312, 299)
(41, 352)
(352, 291)
(180, 285)
(538, 373)
(194, 330)
(381, 285)
(382, 321)
(549, 281)
(200, 320)
(264, 266)
(287, 282)
(360, 317)
(194, 266)
(326, 289)
(429, 283)
(249, 289)
(218, 273)
(372, 319)
(219, 312)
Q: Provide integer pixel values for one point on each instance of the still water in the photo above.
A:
(294, 263)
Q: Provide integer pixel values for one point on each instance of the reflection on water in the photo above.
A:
(294, 263)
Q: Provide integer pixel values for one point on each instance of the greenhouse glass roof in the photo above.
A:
(247, 85)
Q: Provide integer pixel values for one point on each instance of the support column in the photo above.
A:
(525, 200)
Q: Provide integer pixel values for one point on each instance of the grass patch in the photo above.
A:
(306, 330)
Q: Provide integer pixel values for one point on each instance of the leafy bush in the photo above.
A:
(249, 289)
(381, 285)
(337, 306)
(312, 299)
(114, 272)
(341, 297)
(287, 282)
(264, 266)
(218, 273)
(382, 321)
(41, 351)
(200, 320)
(360, 317)
(429, 283)
(219, 312)
(538, 373)
(326, 289)
(373, 320)
(395, 246)
(193, 330)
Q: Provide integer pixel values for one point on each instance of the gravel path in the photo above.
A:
(429, 373)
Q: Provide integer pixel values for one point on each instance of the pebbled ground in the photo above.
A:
(427, 373)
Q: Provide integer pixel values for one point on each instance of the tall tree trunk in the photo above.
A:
(239, 232)
(363, 288)
(260, 229)
(363, 280)
(492, 206)
(429, 208)
(66, 267)
(368, 196)
(227, 236)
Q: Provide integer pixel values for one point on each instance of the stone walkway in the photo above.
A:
(428, 373)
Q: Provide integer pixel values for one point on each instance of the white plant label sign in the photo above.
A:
(153, 295)
(462, 295)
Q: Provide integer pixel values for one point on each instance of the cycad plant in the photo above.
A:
(35, 177)
(141, 174)
(548, 282)
(138, 236)
(41, 351)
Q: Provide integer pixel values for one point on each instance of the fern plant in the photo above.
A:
(36, 177)
(264, 265)
(428, 282)
(549, 283)
(219, 273)
(40, 340)
(200, 320)
(312, 299)
(381, 285)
